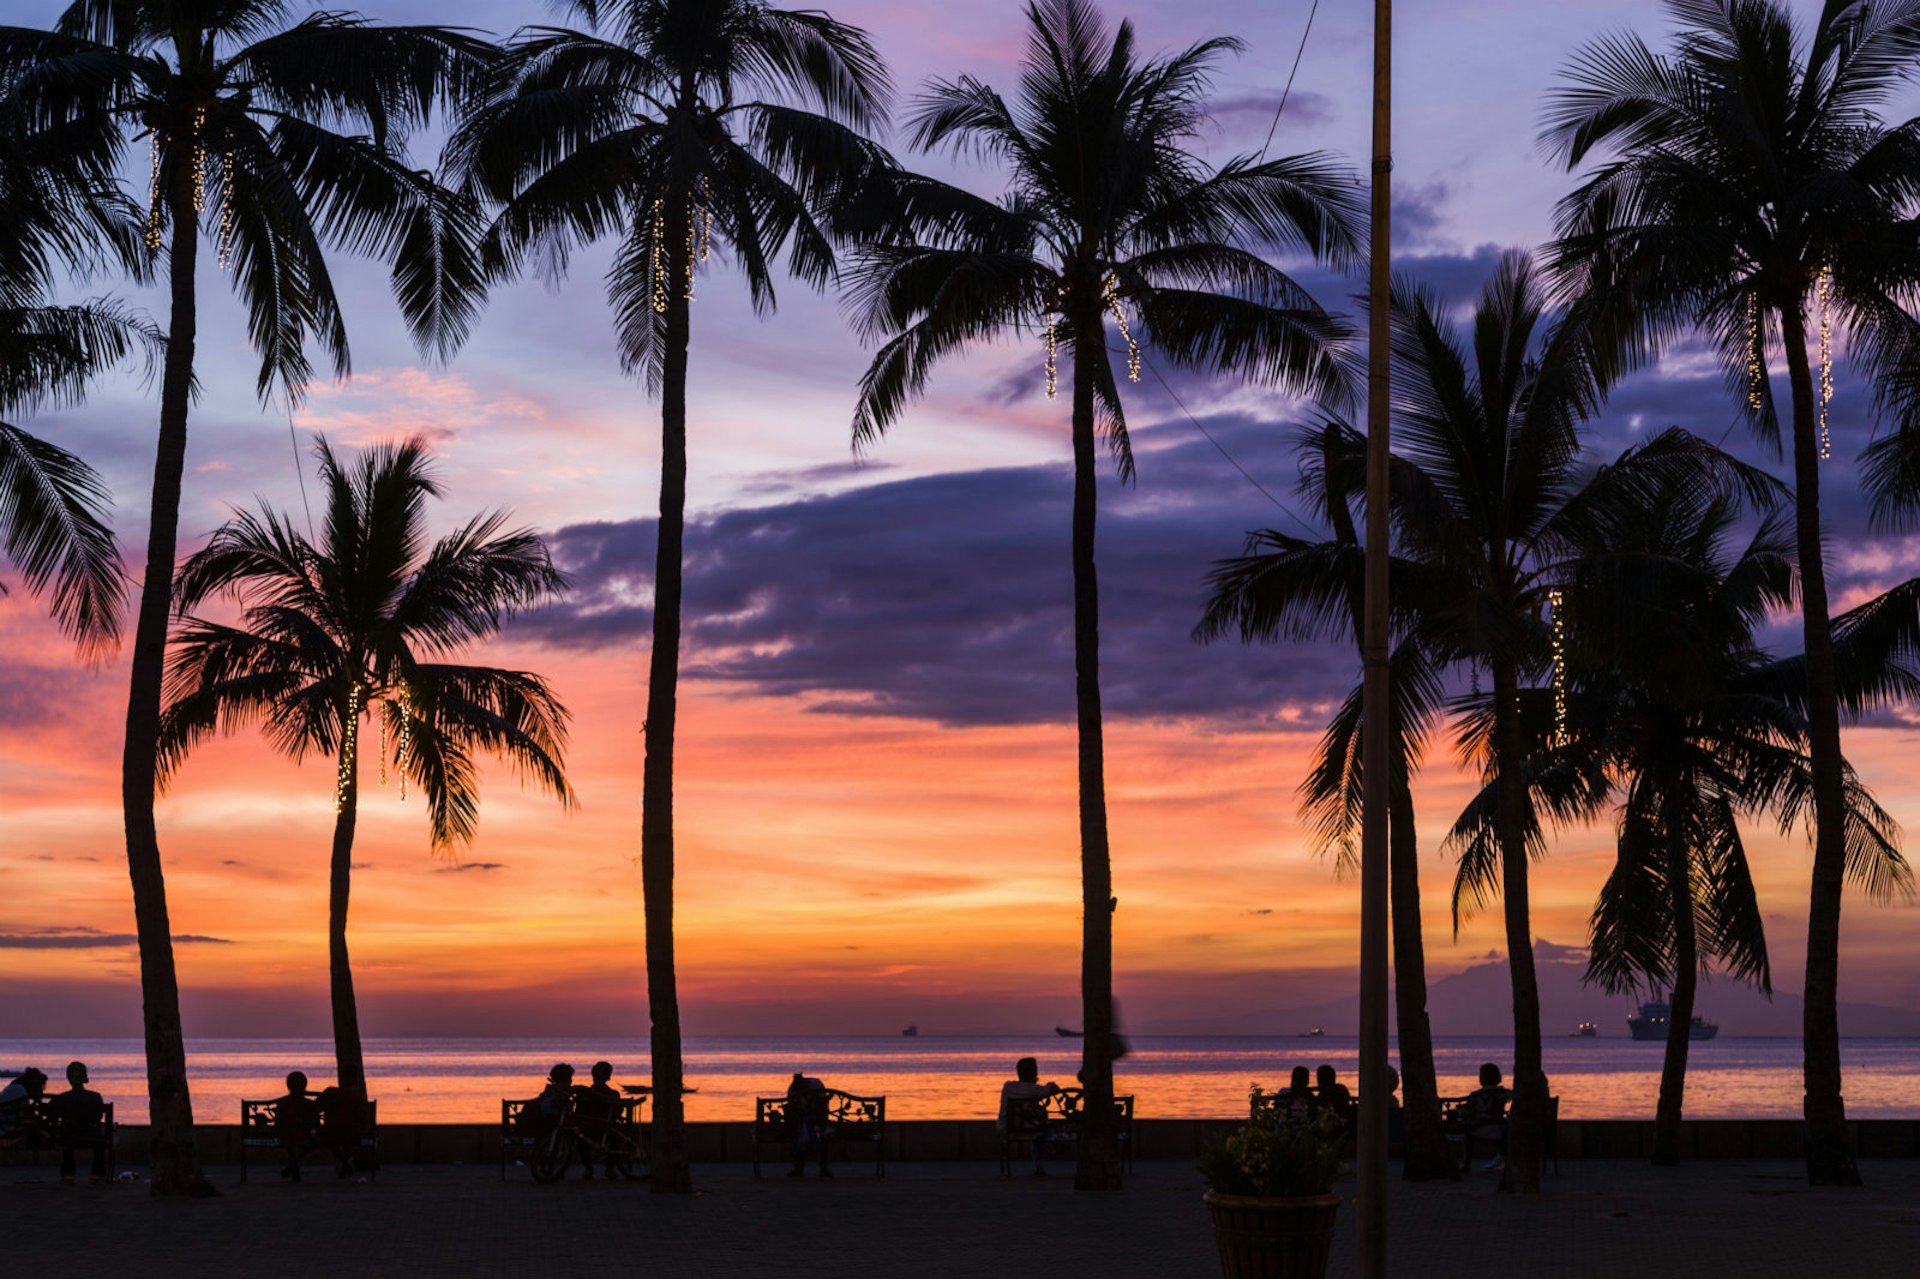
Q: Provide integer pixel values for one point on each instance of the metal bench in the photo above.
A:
(1055, 1120)
(45, 1124)
(521, 1124)
(849, 1120)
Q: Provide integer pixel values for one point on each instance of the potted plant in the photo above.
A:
(1268, 1188)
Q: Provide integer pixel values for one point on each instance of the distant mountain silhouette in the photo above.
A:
(1478, 1001)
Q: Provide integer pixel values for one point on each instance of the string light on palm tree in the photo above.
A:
(706, 219)
(659, 266)
(406, 741)
(1053, 343)
(1120, 318)
(224, 245)
(1826, 359)
(1559, 670)
(1756, 371)
(199, 162)
(153, 194)
(349, 741)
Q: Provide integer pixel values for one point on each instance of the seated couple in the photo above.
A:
(304, 1121)
(72, 1118)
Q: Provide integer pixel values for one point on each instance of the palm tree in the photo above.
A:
(272, 136)
(1106, 212)
(1750, 183)
(340, 632)
(1681, 728)
(62, 211)
(691, 126)
(53, 505)
(1286, 586)
(1491, 500)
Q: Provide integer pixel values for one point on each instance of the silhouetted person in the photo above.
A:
(1396, 1117)
(1025, 1086)
(1330, 1092)
(17, 1123)
(296, 1124)
(556, 1099)
(807, 1111)
(1486, 1116)
(594, 1109)
(1295, 1101)
(343, 1121)
(77, 1113)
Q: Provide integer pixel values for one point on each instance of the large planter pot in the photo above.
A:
(1263, 1238)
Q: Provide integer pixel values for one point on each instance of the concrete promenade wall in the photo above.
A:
(973, 1139)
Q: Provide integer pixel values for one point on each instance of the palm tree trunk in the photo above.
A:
(1428, 1158)
(169, 1105)
(1522, 1175)
(349, 1063)
(1686, 977)
(1099, 1155)
(1830, 1159)
(671, 1174)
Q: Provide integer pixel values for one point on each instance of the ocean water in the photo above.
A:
(936, 1077)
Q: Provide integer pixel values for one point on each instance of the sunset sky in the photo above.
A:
(875, 790)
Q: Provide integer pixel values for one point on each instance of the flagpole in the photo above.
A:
(1371, 1172)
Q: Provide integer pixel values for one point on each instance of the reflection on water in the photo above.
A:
(462, 1080)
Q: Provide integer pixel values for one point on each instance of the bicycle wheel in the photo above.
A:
(550, 1158)
(624, 1155)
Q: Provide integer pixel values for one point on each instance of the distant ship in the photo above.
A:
(1587, 1031)
(911, 1032)
(1064, 1033)
(1651, 1024)
(1315, 1033)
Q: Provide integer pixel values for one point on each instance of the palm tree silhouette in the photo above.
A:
(691, 126)
(340, 632)
(1490, 499)
(274, 138)
(63, 211)
(53, 506)
(1292, 587)
(1750, 182)
(1106, 211)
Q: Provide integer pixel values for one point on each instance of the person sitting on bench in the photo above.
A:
(1486, 1117)
(76, 1119)
(17, 1123)
(296, 1124)
(1026, 1086)
(807, 1112)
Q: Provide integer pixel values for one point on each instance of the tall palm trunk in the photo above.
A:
(1428, 1158)
(1830, 1159)
(1099, 1155)
(1522, 1175)
(348, 1062)
(1686, 978)
(169, 1105)
(671, 1174)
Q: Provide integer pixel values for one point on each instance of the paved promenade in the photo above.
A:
(1608, 1220)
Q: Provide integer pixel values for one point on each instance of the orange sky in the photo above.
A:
(871, 872)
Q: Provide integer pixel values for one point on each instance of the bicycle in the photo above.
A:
(612, 1140)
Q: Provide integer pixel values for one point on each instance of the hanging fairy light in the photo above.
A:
(349, 739)
(1826, 359)
(693, 222)
(199, 162)
(659, 263)
(383, 742)
(1756, 371)
(1559, 670)
(1120, 318)
(706, 219)
(153, 194)
(406, 741)
(224, 245)
(1053, 385)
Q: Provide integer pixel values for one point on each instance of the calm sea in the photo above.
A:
(934, 1077)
